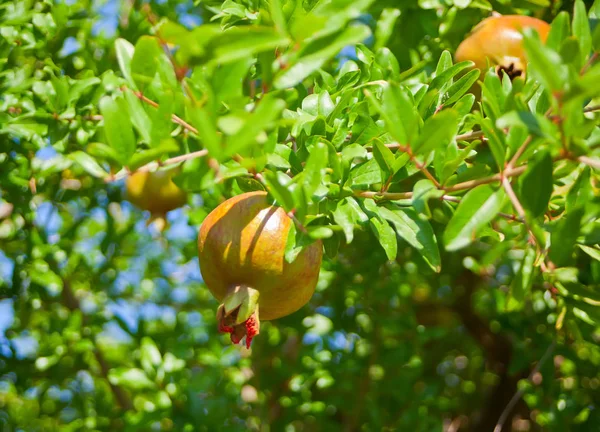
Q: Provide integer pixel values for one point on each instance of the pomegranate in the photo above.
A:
(498, 39)
(155, 191)
(241, 247)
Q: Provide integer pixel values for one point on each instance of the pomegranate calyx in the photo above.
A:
(238, 314)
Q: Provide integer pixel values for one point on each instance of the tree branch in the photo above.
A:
(513, 198)
(589, 161)
(71, 301)
(151, 166)
(174, 118)
(519, 393)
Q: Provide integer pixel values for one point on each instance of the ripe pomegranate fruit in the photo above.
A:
(241, 247)
(155, 191)
(499, 40)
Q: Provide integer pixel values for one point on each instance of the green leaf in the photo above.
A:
(385, 26)
(146, 156)
(133, 379)
(438, 131)
(277, 183)
(398, 111)
(346, 214)
(559, 31)
(545, 62)
(444, 62)
(140, 119)
(523, 280)
(278, 17)
(318, 104)
(416, 232)
(535, 123)
(386, 236)
(591, 251)
(266, 113)
(495, 141)
(365, 174)
(476, 209)
(536, 184)
(385, 159)
(444, 79)
(102, 151)
(204, 121)
(125, 51)
(245, 41)
(144, 63)
(247, 184)
(423, 191)
(317, 53)
(564, 236)
(195, 176)
(586, 86)
(80, 87)
(89, 164)
(320, 232)
(326, 17)
(460, 87)
(228, 83)
(296, 241)
(581, 28)
(150, 357)
(313, 170)
(117, 127)
(492, 95)
(596, 37)
(353, 151)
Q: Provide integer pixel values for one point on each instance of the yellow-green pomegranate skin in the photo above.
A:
(499, 40)
(155, 191)
(242, 242)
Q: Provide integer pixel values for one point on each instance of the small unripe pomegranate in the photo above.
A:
(498, 39)
(155, 191)
(241, 247)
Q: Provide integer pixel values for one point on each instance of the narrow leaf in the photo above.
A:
(416, 232)
(477, 208)
(89, 164)
(536, 184)
(437, 132)
(117, 127)
(386, 236)
(125, 50)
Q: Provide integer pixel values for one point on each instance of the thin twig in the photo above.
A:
(292, 215)
(511, 217)
(591, 109)
(590, 61)
(469, 136)
(517, 396)
(594, 163)
(384, 195)
(151, 166)
(420, 166)
(519, 153)
(174, 118)
(72, 303)
(513, 197)
(513, 172)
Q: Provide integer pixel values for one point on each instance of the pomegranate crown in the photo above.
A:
(238, 314)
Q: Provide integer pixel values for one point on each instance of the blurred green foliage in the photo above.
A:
(429, 315)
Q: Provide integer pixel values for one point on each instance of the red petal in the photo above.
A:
(252, 326)
(224, 328)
